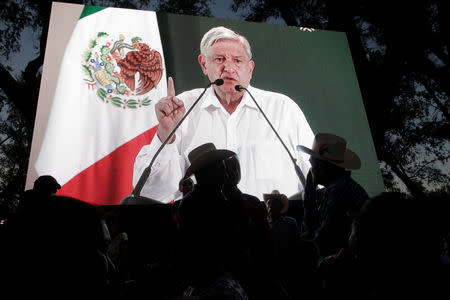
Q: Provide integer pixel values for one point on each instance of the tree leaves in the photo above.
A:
(187, 7)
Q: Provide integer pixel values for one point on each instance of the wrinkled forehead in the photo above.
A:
(235, 46)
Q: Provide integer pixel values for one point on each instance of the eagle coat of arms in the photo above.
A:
(121, 73)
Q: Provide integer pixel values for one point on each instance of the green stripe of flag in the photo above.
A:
(89, 10)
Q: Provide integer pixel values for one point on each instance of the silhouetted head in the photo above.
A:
(276, 204)
(46, 185)
(324, 172)
(185, 185)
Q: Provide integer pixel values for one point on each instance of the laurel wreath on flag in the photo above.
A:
(117, 101)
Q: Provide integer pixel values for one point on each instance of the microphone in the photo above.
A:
(300, 175)
(135, 197)
(217, 82)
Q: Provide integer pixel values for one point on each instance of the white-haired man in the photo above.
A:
(229, 119)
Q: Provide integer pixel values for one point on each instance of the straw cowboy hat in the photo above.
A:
(333, 149)
(204, 155)
(275, 195)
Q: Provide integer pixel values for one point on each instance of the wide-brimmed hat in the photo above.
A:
(204, 155)
(280, 197)
(333, 149)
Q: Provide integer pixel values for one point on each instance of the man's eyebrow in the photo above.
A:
(233, 56)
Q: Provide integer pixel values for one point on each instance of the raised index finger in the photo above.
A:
(170, 87)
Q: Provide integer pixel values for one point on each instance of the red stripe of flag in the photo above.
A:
(109, 180)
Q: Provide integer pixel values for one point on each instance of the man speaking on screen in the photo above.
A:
(227, 117)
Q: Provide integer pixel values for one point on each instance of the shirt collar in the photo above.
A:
(211, 99)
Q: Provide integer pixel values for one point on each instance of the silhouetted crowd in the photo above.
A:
(218, 242)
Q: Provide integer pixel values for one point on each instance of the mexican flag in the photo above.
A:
(111, 76)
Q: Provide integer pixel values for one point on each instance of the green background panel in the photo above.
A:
(314, 68)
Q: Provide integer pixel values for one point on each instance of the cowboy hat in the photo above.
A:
(204, 155)
(333, 149)
(275, 195)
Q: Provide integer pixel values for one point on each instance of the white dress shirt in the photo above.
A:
(265, 164)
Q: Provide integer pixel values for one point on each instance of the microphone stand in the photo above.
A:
(297, 168)
(135, 194)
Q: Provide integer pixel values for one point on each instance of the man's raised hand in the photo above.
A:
(169, 111)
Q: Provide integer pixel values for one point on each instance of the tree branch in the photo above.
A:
(389, 158)
(430, 92)
(440, 75)
(1, 143)
(414, 188)
(8, 84)
(430, 162)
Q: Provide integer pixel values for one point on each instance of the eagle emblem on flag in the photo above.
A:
(121, 72)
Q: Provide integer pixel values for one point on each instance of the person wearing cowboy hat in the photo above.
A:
(207, 165)
(205, 227)
(209, 170)
(328, 223)
(285, 230)
(296, 258)
(253, 262)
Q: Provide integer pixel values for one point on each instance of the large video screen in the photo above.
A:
(106, 68)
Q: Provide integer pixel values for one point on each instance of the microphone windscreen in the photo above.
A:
(238, 87)
(218, 81)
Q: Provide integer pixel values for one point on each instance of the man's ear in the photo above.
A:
(252, 66)
(202, 62)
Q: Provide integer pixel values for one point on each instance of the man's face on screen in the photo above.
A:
(228, 60)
